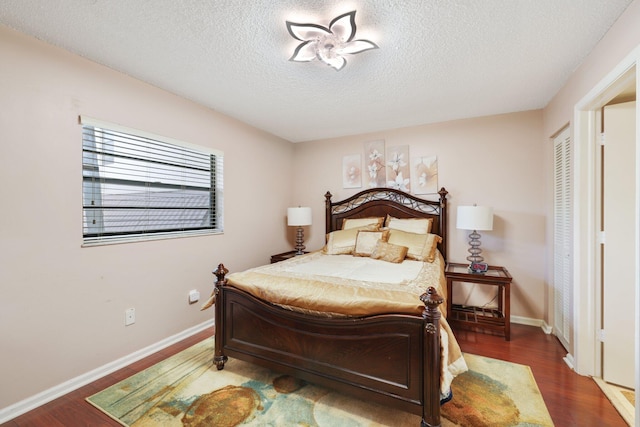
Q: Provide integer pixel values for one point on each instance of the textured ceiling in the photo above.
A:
(438, 60)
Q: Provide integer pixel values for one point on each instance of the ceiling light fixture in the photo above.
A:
(328, 44)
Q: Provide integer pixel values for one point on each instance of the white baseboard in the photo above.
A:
(532, 322)
(568, 359)
(46, 396)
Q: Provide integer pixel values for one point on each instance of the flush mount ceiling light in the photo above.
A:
(328, 44)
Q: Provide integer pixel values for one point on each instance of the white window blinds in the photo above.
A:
(136, 185)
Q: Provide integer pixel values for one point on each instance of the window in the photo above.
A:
(137, 185)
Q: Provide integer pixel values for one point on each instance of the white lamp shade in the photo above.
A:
(299, 216)
(475, 218)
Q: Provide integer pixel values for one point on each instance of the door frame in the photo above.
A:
(587, 291)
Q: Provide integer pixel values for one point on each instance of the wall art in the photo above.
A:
(352, 171)
(425, 175)
(375, 171)
(398, 168)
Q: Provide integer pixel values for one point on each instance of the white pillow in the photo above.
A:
(350, 223)
(410, 225)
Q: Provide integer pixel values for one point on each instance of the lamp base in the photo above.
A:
(474, 248)
(299, 242)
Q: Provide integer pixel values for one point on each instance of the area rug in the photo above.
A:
(622, 399)
(187, 390)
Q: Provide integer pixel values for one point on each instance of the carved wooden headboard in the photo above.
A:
(382, 201)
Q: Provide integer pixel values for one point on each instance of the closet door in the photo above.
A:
(619, 257)
(563, 239)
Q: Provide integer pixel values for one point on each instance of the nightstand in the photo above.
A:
(484, 318)
(283, 256)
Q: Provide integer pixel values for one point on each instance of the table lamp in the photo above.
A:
(299, 217)
(475, 218)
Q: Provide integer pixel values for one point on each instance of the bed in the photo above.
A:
(391, 358)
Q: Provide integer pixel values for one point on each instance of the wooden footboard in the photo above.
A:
(390, 359)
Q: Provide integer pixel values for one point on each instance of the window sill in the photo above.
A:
(147, 238)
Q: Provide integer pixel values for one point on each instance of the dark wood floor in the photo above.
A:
(572, 400)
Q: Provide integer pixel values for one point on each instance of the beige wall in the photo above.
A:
(619, 41)
(616, 47)
(62, 306)
(495, 161)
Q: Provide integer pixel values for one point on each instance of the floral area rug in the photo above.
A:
(621, 398)
(188, 390)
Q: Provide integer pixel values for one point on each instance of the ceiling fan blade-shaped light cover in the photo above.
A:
(344, 26)
(328, 45)
(337, 62)
(358, 46)
(305, 32)
(305, 52)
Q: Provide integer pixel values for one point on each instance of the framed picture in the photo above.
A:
(352, 171)
(425, 173)
(398, 169)
(375, 171)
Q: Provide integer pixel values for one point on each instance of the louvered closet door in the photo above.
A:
(563, 239)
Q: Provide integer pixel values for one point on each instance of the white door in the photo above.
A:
(619, 257)
(563, 239)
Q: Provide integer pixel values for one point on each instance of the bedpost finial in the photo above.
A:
(328, 195)
(431, 299)
(220, 272)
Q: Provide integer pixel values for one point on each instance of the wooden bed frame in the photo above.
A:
(391, 359)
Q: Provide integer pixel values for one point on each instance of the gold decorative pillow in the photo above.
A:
(342, 242)
(410, 225)
(362, 222)
(432, 246)
(421, 247)
(389, 252)
(366, 241)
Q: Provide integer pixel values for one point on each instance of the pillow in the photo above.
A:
(366, 241)
(342, 242)
(389, 252)
(362, 222)
(431, 248)
(411, 225)
(421, 247)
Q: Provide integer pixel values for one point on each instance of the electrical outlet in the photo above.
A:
(129, 316)
(194, 296)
